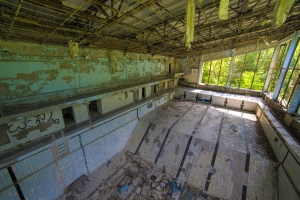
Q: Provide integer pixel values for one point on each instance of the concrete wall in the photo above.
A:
(187, 65)
(227, 90)
(38, 123)
(287, 152)
(36, 73)
(228, 100)
(80, 113)
(43, 174)
(116, 101)
(148, 90)
(31, 128)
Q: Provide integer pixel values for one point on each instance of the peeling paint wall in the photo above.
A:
(29, 129)
(187, 65)
(38, 72)
(41, 174)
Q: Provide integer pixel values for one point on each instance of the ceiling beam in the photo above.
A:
(55, 7)
(203, 28)
(99, 8)
(79, 7)
(125, 16)
(12, 23)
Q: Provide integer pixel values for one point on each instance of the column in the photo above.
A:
(200, 70)
(148, 91)
(139, 92)
(99, 106)
(272, 65)
(81, 112)
(295, 100)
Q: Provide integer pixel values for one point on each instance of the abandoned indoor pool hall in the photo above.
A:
(150, 100)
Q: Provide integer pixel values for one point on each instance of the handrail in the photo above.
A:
(62, 95)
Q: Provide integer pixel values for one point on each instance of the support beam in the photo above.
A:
(295, 100)
(112, 5)
(16, 15)
(231, 67)
(286, 64)
(200, 70)
(120, 5)
(99, 8)
(122, 18)
(271, 68)
(78, 8)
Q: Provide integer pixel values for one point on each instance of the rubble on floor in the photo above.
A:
(141, 181)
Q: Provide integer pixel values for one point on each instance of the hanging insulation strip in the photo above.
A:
(189, 24)
(282, 10)
(223, 9)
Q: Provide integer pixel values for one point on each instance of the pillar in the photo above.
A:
(286, 64)
(231, 67)
(295, 100)
(99, 106)
(200, 70)
(81, 112)
(272, 65)
(148, 91)
(139, 92)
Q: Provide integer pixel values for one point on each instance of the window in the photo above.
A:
(250, 70)
(216, 72)
(291, 79)
(262, 69)
(278, 66)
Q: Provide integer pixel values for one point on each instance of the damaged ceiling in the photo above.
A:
(154, 26)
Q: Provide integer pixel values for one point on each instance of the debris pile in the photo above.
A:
(140, 181)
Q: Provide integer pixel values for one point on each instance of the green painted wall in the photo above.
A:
(31, 72)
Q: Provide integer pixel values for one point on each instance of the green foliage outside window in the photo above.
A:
(216, 72)
(249, 71)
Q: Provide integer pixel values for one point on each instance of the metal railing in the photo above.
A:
(36, 101)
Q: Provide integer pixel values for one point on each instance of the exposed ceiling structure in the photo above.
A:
(154, 26)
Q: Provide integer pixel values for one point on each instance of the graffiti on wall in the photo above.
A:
(32, 122)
